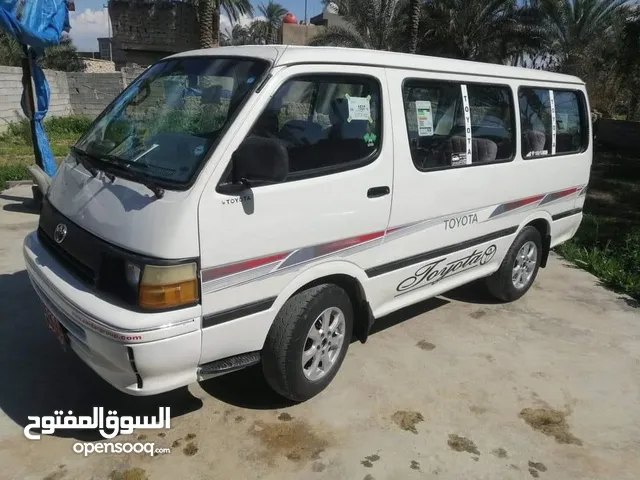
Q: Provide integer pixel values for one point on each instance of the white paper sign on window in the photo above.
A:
(359, 108)
(425, 118)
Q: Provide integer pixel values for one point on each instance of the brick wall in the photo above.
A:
(84, 94)
(147, 30)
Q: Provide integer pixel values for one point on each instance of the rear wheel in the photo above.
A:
(519, 267)
(308, 342)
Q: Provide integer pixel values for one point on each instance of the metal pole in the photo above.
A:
(30, 93)
(106, 5)
(305, 12)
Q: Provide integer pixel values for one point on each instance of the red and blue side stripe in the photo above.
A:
(276, 262)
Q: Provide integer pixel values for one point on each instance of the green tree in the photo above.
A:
(374, 24)
(10, 51)
(613, 74)
(575, 30)
(63, 57)
(628, 60)
(209, 18)
(260, 32)
(481, 30)
(273, 13)
(590, 39)
(238, 35)
(415, 25)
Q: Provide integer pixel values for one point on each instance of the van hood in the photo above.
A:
(126, 213)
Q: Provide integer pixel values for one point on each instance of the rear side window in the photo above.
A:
(552, 122)
(326, 122)
(454, 125)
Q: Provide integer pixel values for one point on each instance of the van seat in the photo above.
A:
(301, 132)
(482, 149)
(532, 141)
(340, 127)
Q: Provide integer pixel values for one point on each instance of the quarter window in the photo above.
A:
(551, 122)
(455, 125)
(569, 130)
(326, 122)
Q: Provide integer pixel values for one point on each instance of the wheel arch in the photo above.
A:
(541, 221)
(346, 275)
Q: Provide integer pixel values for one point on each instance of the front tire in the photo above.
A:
(308, 341)
(519, 267)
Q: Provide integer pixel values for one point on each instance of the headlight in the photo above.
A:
(132, 274)
(167, 286)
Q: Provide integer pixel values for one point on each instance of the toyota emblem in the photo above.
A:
(60, 233)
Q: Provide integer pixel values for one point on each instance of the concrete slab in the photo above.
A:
(448, 389)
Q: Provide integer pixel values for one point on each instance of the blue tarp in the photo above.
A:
(37, 24)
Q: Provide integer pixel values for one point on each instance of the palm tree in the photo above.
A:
(415, 25)
(481, 30)
(273, 13)
(374, 24)
(209, 18)
(260, 32)
(206, 10)
(238, 35)
(628, 62)
(573, 29)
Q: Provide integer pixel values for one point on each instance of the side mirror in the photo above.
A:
(259, 161)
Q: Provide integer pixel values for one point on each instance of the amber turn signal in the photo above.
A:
(168, 286)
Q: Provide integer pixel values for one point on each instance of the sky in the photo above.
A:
(90, 21)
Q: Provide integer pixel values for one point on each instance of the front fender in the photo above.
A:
(315, 273)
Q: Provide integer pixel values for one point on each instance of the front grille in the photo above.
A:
(85, 273)
(78, 250)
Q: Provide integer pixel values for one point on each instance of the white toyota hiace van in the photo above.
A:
(267, 203)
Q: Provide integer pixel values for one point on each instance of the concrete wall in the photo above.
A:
(84, 94)
(296, 34)
(89, 93)
(619, 133)
(11, 91)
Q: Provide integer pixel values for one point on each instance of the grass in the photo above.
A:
(608, 241)
(16, 149)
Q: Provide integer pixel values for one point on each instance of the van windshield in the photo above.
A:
(164, 124)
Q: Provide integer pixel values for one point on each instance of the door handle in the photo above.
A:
(374, 192)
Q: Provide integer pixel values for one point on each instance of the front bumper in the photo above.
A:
(138, 353)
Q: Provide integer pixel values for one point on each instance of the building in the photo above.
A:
(107, 51)
(146, 32)
(89, 54)
(301, 34)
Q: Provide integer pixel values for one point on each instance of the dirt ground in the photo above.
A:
(454, 388)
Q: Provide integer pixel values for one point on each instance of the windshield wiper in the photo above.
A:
(136, 176)
(83, 158)
(124, 169)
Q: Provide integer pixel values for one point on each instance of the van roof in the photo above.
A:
(289, 54)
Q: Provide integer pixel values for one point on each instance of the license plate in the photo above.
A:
(54, 325)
